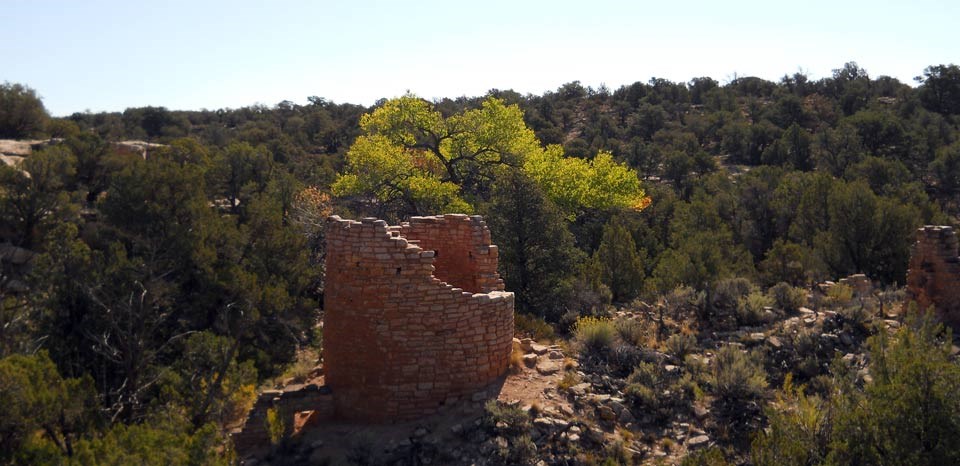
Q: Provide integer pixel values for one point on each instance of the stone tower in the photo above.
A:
(934, 275)
(415, 315)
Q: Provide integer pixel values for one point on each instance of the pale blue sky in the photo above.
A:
(113, 54)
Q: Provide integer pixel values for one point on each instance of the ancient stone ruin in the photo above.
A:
(934, 275)
(416, 318)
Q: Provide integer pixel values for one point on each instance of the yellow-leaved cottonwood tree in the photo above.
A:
(413, 160)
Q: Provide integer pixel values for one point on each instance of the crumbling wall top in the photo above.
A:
(415, 315)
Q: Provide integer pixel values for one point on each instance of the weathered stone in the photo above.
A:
(623, 413)
(698, 442)
(526, 345)
(580, 389)
(530, 360)
(933, 278)
(544, 423)
(598, 398)
(606, 413)
(846, 339)
(416, 316)
(593, 435)
(861, 285)
(539, 349)
(700, 412)
(549, 367)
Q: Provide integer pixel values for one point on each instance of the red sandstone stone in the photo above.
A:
(934, 275)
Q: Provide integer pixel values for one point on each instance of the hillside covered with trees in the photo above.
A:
(146, 296)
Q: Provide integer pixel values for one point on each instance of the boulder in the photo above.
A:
(698, 442)
(549, 367)
(530, 360)
(539, 349)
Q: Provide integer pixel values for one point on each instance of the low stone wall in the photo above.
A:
(293, 405)
(933, 278)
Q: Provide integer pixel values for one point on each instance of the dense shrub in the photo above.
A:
(710, 457)
(788, 298)
(533, 326)
(594, 335)
(680, 345)
(736, 375)
(752, 308)
(839, 295)
(512, 420)
(908, 415)
(726, 294)
(631, 331)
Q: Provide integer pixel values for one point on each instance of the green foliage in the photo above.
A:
(37, 405)
(908, 414)
(535, 327)
(32, 196)
(631, 331)
(840, 295)
(679, 345)
(521, 451)
(210, 382)
(712, 456)
(21, 112)
(576, 183)
(621, 267)
(702, 249)
(736, 375)
(946, 168)
(792, 149)
(240, 171)
(791, 263)
(788, 298)
(186, 272)
(752, 308)
(651, 390)
(412, 159)
(161, 443)
(940, 88)
(725, 295)
(413, 156)
(595, 335)
(538, 257)
(509, 420)
(868, 234)
(800, 426)
(275, 425)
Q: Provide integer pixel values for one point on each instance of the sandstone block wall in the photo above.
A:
(415, 315)
(933, 278)
(289, 403)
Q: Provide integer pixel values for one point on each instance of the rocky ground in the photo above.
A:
(563, 405)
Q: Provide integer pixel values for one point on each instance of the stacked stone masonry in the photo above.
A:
(933, 278)
(416, 318)
(315, 401)
(415, 315)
